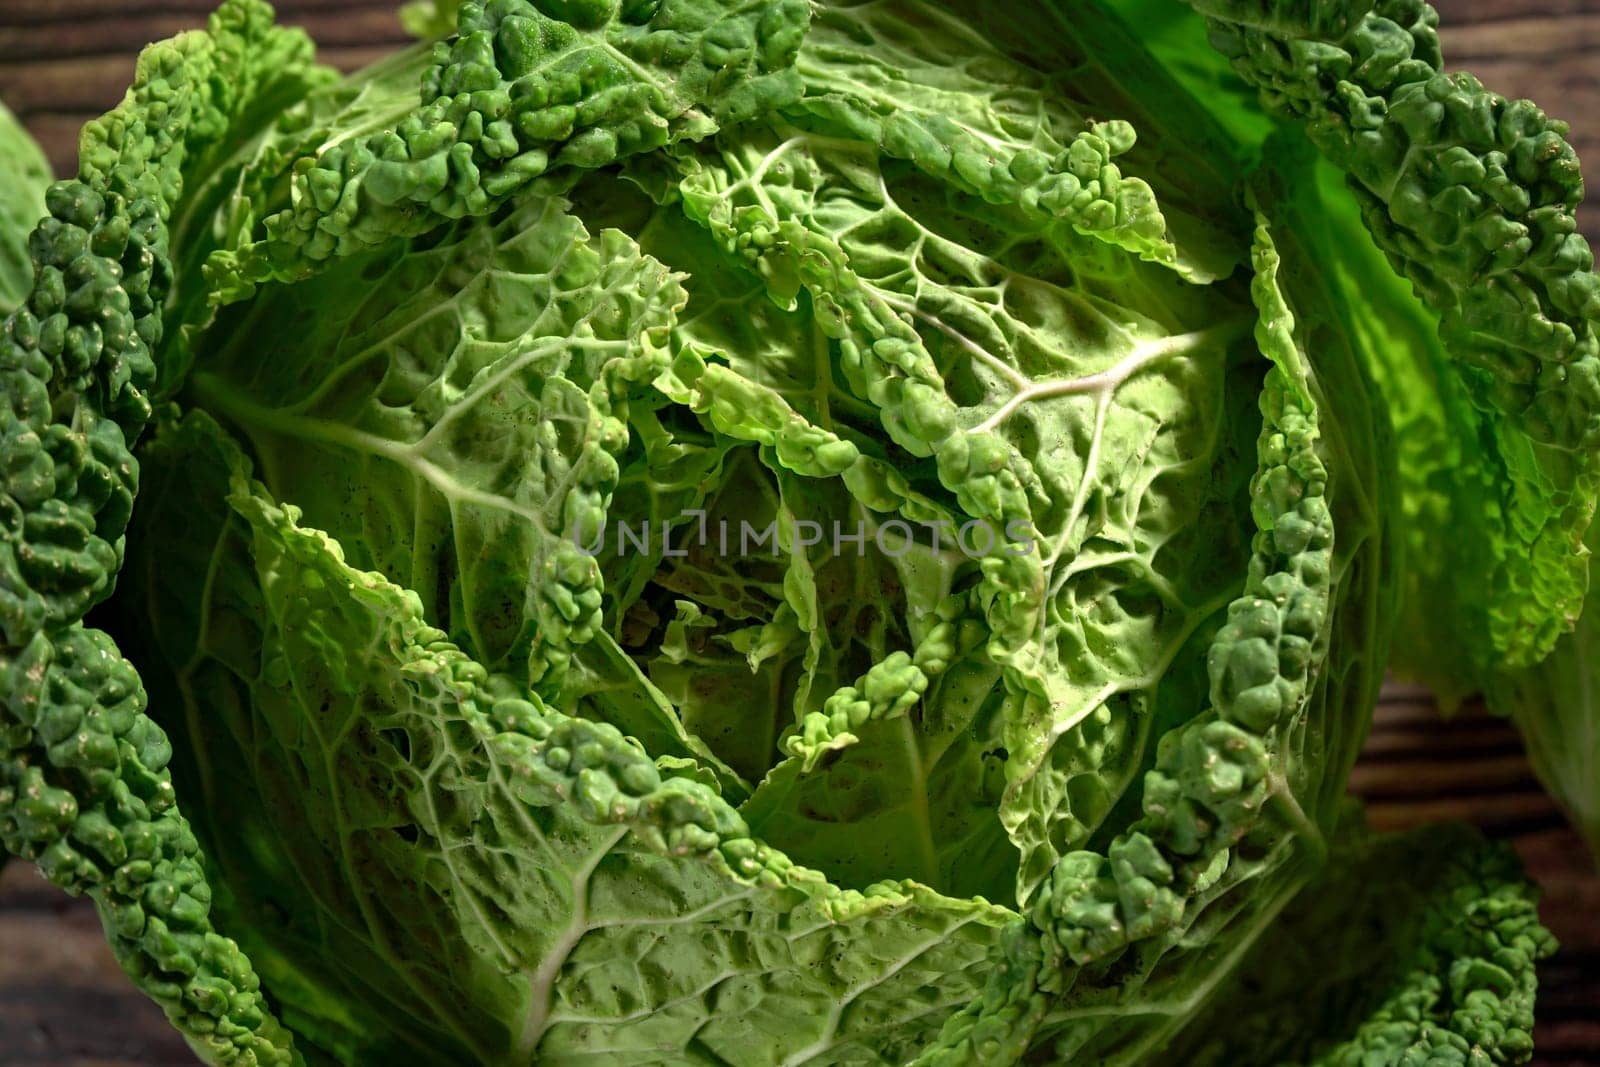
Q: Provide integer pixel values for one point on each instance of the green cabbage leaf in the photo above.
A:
(24, 174)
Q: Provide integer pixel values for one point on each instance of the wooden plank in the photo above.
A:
(1539, 42)
(135, 14)
(63, 999)
(41, 43)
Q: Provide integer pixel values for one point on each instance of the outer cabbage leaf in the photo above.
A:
(85, 794)
(24, 174)
(434, 863)
(1411, 948)
(1472, 492)
(1471, 197)
(83, 788)
(917, 83)
(77, 360)
(516, 90)
(1556, 707)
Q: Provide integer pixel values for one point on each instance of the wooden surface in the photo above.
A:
(62, 999)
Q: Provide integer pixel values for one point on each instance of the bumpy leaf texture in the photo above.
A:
(1357, 962)
(1471, 197)
(716, 531)
(1494, 386)
(84, 790)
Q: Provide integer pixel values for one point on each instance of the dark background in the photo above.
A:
(64, 1002)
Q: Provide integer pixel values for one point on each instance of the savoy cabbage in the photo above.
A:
(761, 532)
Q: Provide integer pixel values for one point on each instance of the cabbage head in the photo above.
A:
(751, 532)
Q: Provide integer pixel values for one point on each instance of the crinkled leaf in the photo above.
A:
(1040, 378)
(1238, 802)
(519, 88)
(83, 788)
(1471, 197)
(459, 424)
(1411, 948)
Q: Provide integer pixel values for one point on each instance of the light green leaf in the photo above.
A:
(1556, 707)
(517, 90)
(460, 424)
(917, 83)
(24, 174)
(1042, 379)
